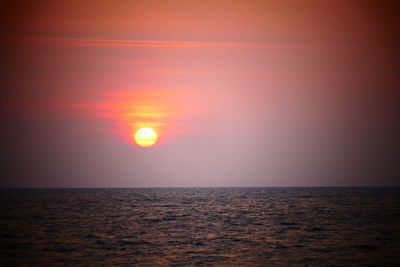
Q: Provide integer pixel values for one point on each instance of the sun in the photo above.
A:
(145, 137)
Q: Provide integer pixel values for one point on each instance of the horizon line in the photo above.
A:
(176, 187)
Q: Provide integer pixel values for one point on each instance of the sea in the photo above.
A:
(327, 226)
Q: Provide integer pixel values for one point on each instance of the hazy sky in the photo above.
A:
(241, 93)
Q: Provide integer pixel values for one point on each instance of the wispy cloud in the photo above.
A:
(274, 45)
(131, 43)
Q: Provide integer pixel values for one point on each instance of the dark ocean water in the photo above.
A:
(201, 226)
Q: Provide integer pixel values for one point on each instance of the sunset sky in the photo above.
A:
(240, 93)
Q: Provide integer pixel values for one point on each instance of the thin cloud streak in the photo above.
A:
(84, 42)
(131, 43)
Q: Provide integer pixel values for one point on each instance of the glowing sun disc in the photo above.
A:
(145, 137)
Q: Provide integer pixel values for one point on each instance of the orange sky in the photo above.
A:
(235, 88)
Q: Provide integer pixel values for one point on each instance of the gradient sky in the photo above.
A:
(242, 93)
